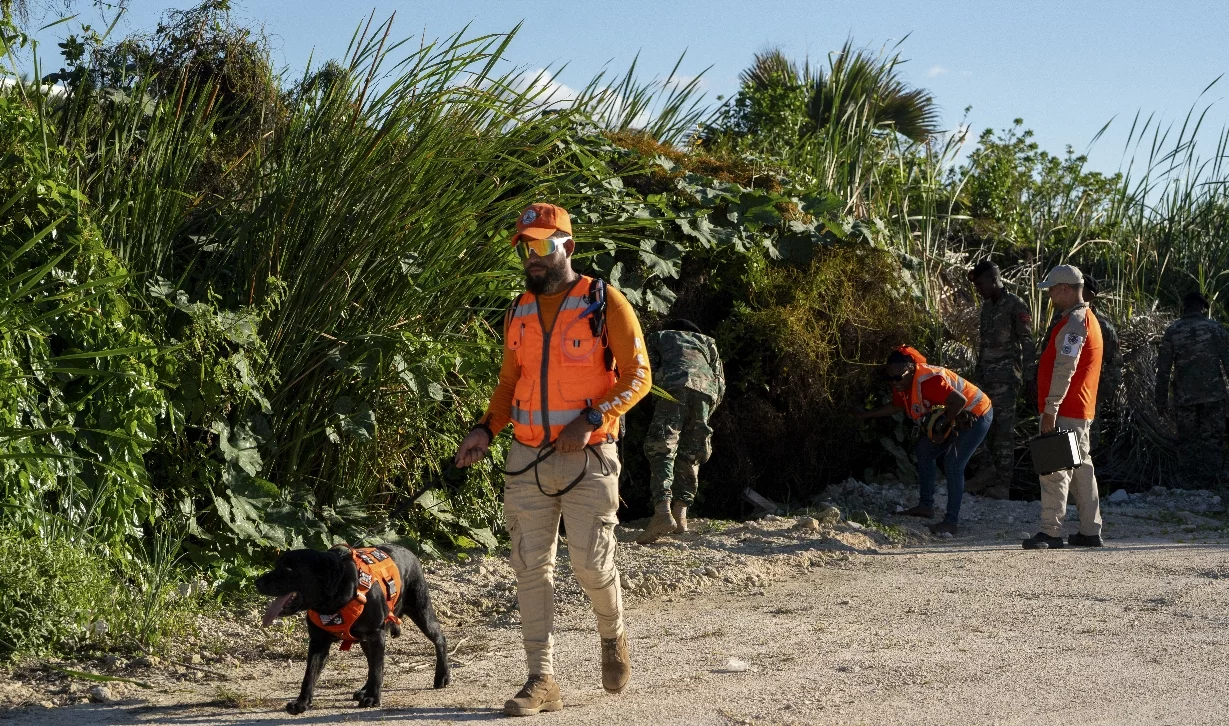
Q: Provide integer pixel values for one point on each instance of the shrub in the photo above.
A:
(53, 593)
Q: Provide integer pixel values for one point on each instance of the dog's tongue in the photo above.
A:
(275, 609)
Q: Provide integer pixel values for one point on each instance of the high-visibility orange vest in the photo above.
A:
(374, 566)
(563, 370)
(917, 407)
(1081, 399)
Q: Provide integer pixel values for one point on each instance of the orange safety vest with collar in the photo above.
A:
(374, 565)
(563, 370)
(917, 406)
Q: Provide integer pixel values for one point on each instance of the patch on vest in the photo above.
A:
(364, 580)
(918, 409)
(334, 619)
(1072, 344)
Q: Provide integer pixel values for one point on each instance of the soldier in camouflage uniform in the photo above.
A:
(686, 365)
(1005, 357)
(1196, 349)
(1111, 367)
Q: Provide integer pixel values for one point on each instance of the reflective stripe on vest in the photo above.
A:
(562, 370)
(919, 406)
(557, 416)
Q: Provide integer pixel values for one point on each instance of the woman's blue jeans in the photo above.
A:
(956, 452)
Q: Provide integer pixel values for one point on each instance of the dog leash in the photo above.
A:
(545, 453)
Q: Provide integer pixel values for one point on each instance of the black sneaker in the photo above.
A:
(1043, 541)
(1085, 540)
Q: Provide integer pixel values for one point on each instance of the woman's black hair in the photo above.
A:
(681, 324)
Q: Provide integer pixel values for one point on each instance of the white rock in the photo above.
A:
(711, 572)
(855, 525)
(1119, 497)
(734, 665)
(101, 694)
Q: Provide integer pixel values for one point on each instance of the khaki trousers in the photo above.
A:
(588, 512)
(1082, 480)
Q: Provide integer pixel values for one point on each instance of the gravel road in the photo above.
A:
(967, 631)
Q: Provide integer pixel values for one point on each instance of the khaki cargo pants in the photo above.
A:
(1083, 481)
(588, 512)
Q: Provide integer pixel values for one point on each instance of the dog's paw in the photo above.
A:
(443, 679)
(394, 630)
(368, 701)
(294, 708)
(360, 694)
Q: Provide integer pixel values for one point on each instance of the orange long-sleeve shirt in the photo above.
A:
(626, 343)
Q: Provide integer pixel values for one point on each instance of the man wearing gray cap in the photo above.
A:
(1067, 378)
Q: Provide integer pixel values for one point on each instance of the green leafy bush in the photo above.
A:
(53, 593)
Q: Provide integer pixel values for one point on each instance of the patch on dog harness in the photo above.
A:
(374, 565)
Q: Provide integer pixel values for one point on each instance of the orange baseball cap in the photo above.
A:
(540, 221)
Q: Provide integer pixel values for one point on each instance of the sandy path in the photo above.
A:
(969, 632)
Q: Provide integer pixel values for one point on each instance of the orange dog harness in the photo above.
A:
(374, 565)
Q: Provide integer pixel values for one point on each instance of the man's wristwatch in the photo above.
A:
(592, 416)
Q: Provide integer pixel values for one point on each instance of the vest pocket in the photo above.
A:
(578, 345)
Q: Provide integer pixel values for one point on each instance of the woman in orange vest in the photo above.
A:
(917, 389)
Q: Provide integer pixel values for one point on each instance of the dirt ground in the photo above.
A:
(771, 623)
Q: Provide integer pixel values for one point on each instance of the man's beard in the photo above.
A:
(551, 277)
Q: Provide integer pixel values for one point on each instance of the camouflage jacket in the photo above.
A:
(1196, 348)
(682, 359)
(1111, 356)
(1007, 351)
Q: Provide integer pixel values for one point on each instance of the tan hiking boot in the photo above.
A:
(679, 511)
(616, 664)
(662, 524)
(540, 693)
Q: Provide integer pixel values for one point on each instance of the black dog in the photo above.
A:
(326, 582)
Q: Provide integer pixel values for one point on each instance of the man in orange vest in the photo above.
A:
(917, 388)
(1067, 378)
(574, 362)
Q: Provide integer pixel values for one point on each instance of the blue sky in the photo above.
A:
(1065, 67)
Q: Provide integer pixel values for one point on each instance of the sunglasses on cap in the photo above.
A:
(540, 247)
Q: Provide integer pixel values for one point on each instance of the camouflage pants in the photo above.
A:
(1201, 443)
(678, 442)
(1001, 443)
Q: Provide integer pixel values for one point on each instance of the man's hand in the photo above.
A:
(574, 436)
(473, 448)
(1048, 423)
